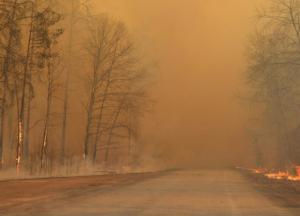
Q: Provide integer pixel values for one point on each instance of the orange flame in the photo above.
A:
(260, 170)
(280, 175)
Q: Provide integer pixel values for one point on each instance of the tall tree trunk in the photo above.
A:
(89, 124)
(47, 116)
(6, 65)
(130, 138)
(67, 84)
(21, 115)
(110, 136)
(2, 124)
(27, 118)
(105, 93)
(90, 112)
(98, 130)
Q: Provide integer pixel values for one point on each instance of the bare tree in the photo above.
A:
(115, 72)
(273, 71)
(72, 17)
(10, 39)
(47, 19)
(29, 56)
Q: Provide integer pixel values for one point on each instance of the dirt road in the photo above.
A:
(178, 193)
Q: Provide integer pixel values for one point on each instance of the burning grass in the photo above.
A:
(282, 187)
(292, 175)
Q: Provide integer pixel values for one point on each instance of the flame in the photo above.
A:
(280, 175)
(259, 170)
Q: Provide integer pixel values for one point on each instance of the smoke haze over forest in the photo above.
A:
(197, 48)
(150, 107)
(103, 63)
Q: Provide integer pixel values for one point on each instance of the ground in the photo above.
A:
(173, 193)
(282, 192)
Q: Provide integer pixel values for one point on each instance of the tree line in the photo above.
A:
(65, 67)
(273, 78)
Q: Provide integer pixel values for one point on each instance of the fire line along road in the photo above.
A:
(184, 192)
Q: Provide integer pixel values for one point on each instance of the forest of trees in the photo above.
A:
(72, 89)
(273, 76)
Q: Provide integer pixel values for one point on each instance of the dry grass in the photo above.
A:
(283, 192)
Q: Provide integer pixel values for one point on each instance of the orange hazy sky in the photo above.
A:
(197, 52)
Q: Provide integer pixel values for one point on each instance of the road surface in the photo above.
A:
(178, 193)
